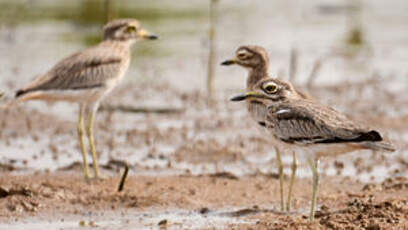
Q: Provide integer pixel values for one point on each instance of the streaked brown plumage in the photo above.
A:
(100, 67)
(89, 69)
(296, 122)
(256, 60)
(87, 76)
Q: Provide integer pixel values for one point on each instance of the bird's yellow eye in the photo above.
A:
(131, 29)
(270, 87)
(243, 55)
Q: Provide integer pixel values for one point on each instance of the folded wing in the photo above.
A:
(307, 122)
(87, 69)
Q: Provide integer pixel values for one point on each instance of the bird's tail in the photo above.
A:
(381, 146)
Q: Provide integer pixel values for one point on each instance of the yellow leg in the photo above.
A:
(81, 137)
(280, 169)
(292, 181)
(89, 129)
(314, 165)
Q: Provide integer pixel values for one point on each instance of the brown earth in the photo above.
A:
(344, 203)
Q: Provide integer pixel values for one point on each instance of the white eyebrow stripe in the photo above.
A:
(242, 52)
(282, 111)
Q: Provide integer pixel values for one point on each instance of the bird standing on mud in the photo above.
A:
(86, 77)
(309, 127)
(256, 60)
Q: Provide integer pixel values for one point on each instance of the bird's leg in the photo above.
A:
(292, 180)
(89, 129)
(280, 171)
(314, 165)
(81, 137)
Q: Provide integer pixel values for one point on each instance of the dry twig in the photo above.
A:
(123, 179)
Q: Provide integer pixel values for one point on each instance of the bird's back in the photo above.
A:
(305, 122)
(90, 68)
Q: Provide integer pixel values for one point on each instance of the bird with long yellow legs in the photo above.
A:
(256, 60)
(86, 77)
(308, 127)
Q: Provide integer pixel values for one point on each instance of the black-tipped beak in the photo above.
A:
(229, 62)
(144, 34)
(240, 97)
(251, 94)
(152, 37)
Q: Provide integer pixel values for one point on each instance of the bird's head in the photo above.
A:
(126, 30)
(269, 92)
(251, 57)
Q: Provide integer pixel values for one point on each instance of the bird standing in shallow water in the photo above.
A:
(86, 77)
(318, 130)
(256, 60)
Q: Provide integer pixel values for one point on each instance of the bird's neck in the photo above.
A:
(256, 74)
(123, 44)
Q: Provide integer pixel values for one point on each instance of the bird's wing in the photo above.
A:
(87, 69)
(306, 122)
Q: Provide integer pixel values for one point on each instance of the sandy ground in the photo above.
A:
(345, 204)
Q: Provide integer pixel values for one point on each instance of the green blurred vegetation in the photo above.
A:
(88, 15)
(91, 11)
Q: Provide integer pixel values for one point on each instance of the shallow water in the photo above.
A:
(176, 219)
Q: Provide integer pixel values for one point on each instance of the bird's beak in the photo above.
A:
(246, 95)
(230, 62)
(144, 34)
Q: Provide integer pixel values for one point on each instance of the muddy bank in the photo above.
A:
(201, 167)
(250, 202)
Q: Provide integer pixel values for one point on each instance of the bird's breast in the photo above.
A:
(115, 80)
(257, 110)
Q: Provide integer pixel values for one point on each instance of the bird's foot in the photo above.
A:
(88, 177)
(96, 177)
(100, 176)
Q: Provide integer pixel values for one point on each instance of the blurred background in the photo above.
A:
(351, 55)
(37, 33)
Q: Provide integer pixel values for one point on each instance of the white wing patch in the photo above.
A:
(282, 111)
